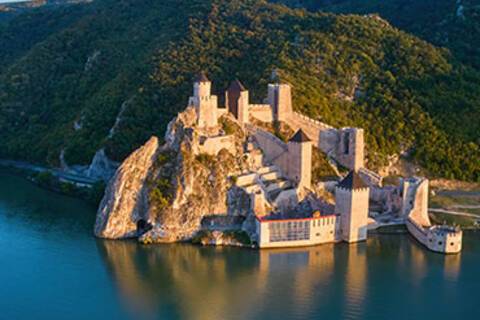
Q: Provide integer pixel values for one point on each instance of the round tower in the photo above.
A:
(202, 87)
(205, 104)
(351, 203)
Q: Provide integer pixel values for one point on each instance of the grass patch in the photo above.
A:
(452, 220)
(321, 168)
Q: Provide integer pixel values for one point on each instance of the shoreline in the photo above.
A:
(53, 180)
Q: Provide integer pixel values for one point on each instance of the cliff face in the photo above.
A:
(126, 196)
(172, 187)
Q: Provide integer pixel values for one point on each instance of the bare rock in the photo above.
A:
(101, 168)
(126, 197)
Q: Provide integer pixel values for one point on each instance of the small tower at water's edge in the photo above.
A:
(300, 159)
(351, 203)
(205, 104)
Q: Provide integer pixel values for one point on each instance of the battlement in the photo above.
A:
(320, 125)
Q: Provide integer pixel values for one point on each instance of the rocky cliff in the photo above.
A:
(170, 188)
(126, 197)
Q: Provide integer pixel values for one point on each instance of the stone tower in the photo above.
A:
(205, 104)
(300, 159)
(350, 148)
(351, 203)
(280, 99)
(236, 100)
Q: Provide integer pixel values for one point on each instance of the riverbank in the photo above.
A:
(56, 180)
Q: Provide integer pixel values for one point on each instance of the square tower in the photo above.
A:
(280, 99)
(350, 148)
(236, 100)
(351, 203)
(300, 159)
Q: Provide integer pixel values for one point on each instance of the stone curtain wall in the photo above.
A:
(328, 139)
(323, 136)
(371, 178)
(275, 151)
(261, 112)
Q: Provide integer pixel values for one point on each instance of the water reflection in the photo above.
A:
(209, 283)
(452, 266)
(355, 281)
(217, 283)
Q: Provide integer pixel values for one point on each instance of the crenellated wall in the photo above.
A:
(345, 145)
(261, 112)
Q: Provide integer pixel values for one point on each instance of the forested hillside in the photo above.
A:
(454, 24)
(112, 73)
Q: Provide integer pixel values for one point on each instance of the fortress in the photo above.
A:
(279, 181)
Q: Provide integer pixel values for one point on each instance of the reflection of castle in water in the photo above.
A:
(220, 283)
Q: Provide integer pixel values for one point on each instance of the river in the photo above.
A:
(53, 268)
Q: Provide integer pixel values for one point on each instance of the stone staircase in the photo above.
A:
(265, 179)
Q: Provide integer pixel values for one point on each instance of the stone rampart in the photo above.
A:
(329, 140)
(261, 112)
(323, 136)
(371, 178)
(275, 151)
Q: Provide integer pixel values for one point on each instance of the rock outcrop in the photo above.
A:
(126, 197)
(171, 187)
(101, 168)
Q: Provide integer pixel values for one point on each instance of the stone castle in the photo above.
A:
(252, 181)
(284, 172)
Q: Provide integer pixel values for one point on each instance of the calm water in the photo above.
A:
(52, 267)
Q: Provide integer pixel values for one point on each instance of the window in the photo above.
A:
(440, 243)
(452, 244)
(346, 143)
(289, 231)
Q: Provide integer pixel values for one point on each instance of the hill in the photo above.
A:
(454, 24)
(112, 73)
